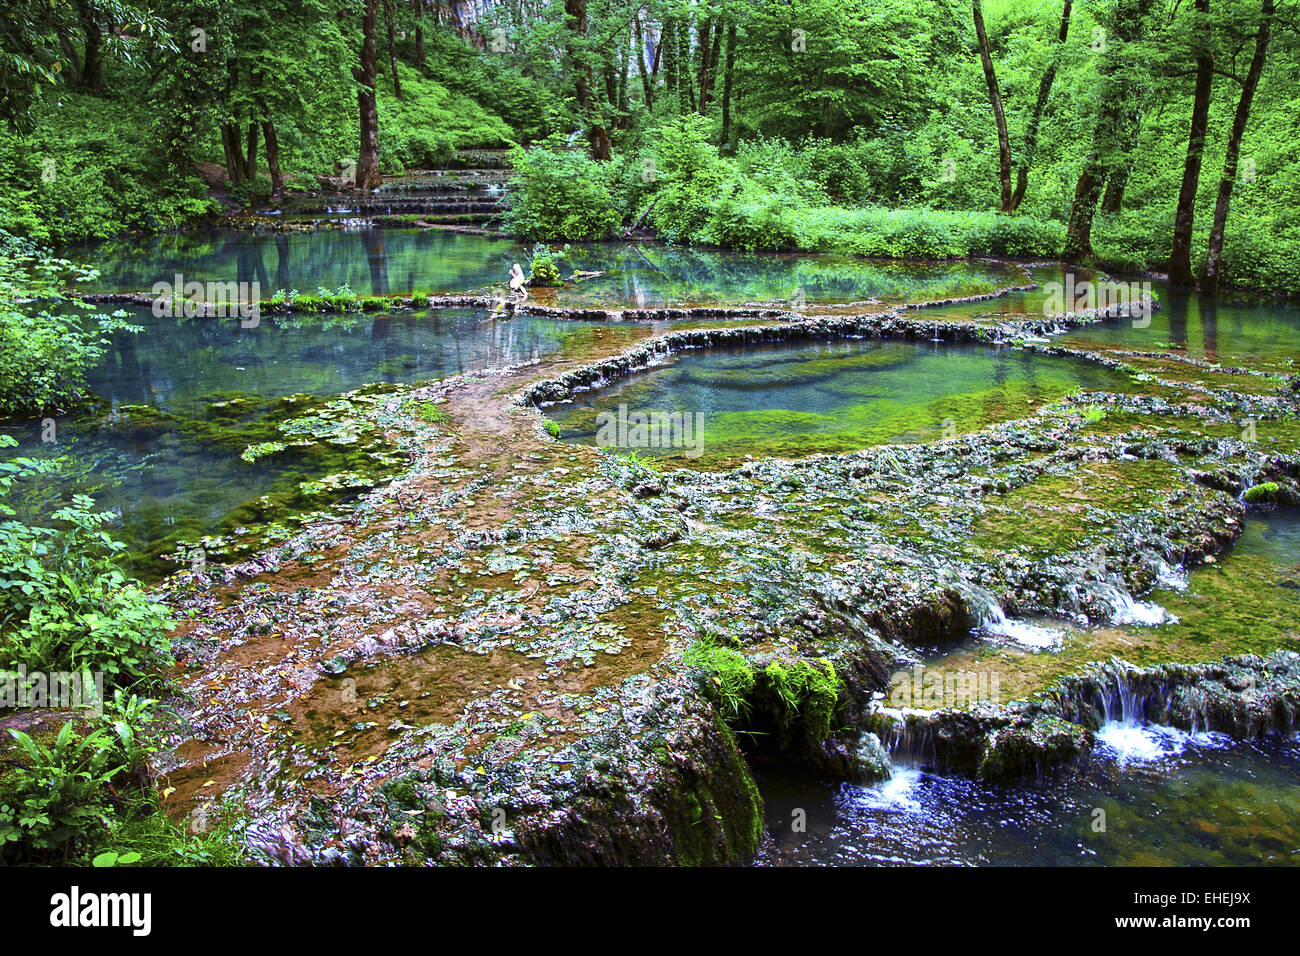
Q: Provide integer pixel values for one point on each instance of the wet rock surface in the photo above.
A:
(524, 651)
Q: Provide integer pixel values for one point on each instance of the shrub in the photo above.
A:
(690, 179)
(557, 194)
(65, 604)
(53, 797)
(47, 346)
(545, 269)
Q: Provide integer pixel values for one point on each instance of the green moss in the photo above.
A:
(1259, 494)
(726, 673)
(799, 696)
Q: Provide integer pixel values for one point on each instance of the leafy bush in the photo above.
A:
(86, 795)
(546, 266)
(690, 178)
(65, 604)
(557, 193)
(47, 346)
(53, 797)
(91, 169)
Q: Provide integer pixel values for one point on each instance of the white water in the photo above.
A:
(1131, 743)
(1125, 610)
(994, 621)
(892, 795)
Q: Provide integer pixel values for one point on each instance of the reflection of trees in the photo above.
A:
(372, 240)
(1209, 310)
(283, 274)
(1178, 308)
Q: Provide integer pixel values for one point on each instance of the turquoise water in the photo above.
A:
(1262, 335)
(180, 401)
(175, 364)
(394, 260)
(809, 398)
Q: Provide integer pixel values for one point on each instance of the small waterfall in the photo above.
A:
(993, 620)
(1134, 710)
(909, 743)
(1124, 609)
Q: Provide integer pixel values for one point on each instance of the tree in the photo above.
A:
(1180, 257)
(1214, 251)
(1115, 127)
(995, 98)
(367, 77)
(575, 12)
(1030, 149)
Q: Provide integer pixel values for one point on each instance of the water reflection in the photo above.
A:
(385, 261)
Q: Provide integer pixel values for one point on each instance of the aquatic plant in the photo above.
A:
(545, 267)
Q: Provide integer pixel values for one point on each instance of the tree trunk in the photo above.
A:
(73, 71)
(597, 135)
(1112, 200)
(715, 57)
(995, 97)
(1040, 106)
(1113, 133)
(706, 44)
(1214, 251)
(272, 155)
(366, 74)
(668, 47)
(92, 66)
(1180, 258)
(624, 61)
(1078, 236)
(728, 76)
(250, 165)
(685, 82)
(234, 153)
(417, 7)
(392, 47)
(647, 82)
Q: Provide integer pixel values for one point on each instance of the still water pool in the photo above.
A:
(386, 261)
(797, 400)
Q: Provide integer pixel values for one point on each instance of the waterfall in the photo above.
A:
(1124, 609)
(991, 619)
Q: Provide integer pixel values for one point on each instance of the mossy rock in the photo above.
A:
(1266, 493)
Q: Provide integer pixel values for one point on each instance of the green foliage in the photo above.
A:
(545, 270)
(689, 176)
(47, 346)
(90, 168)
(65, 604)
(423, 129)
(558, 193)
(431, 413)
(800, 696)
(525, 103)
(552, 427)
(726, 674)
(1261, 493)
(52, 798)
